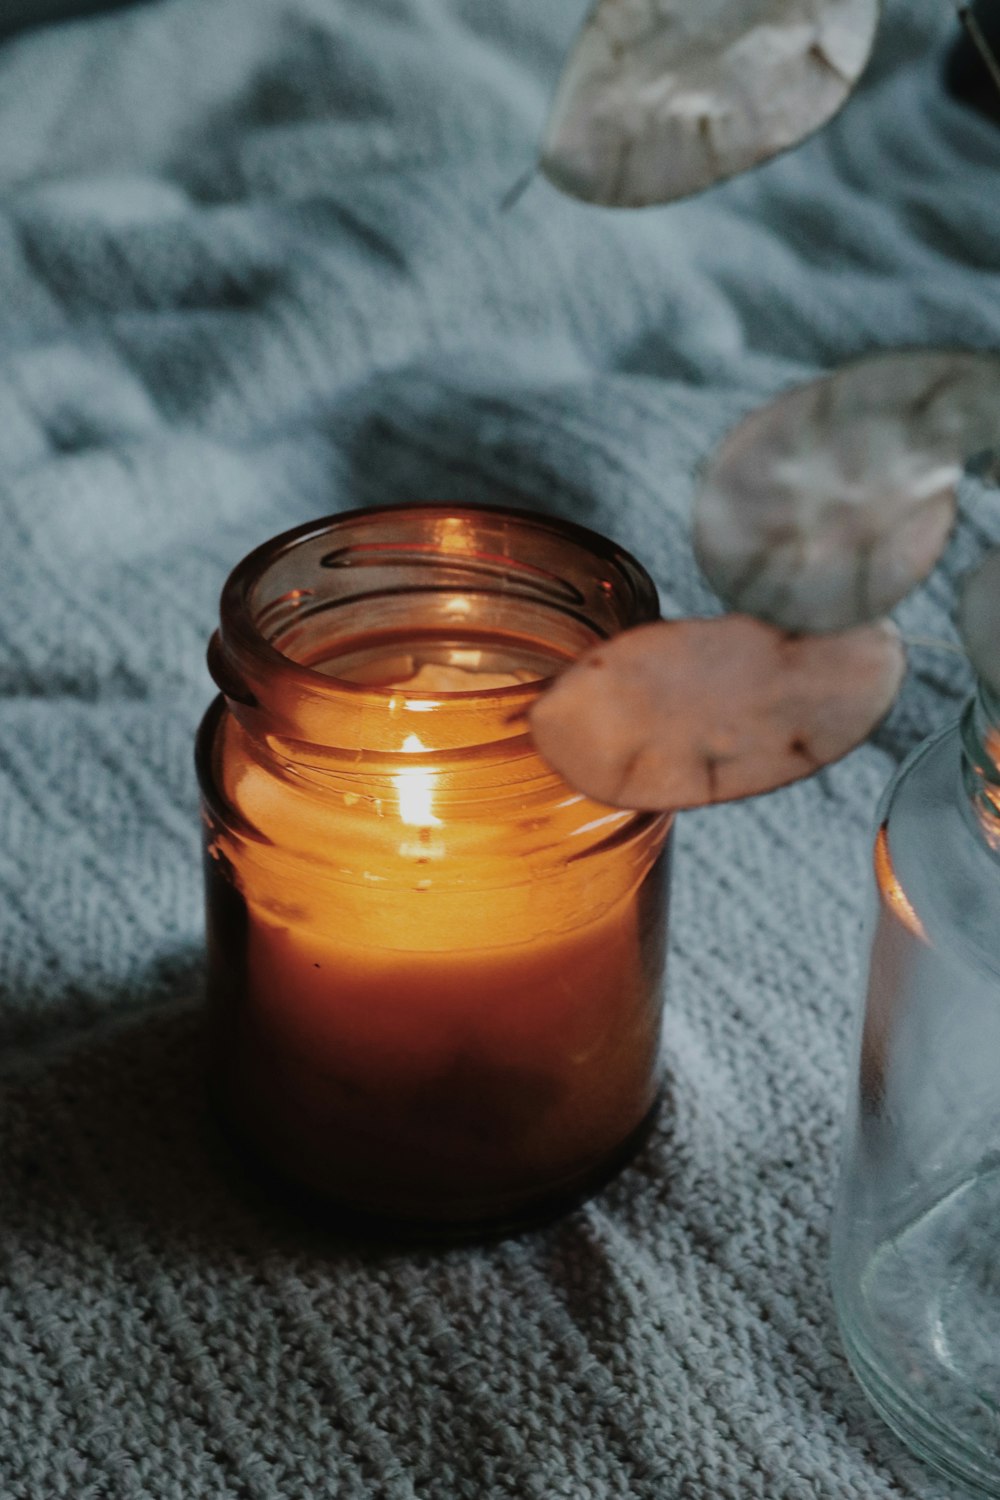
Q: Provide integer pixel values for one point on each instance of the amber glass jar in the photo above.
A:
(434, 970)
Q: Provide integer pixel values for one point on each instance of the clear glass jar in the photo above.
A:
(916, 1264)
(434, 970)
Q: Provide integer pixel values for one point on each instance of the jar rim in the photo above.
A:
(256, 676)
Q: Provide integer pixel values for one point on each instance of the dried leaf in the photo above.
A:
(661, 98)
(688, 712)
(825, 508)
(979, 620)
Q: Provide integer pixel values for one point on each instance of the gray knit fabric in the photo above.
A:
(252, 270)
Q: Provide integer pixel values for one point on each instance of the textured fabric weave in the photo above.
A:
(252, 270)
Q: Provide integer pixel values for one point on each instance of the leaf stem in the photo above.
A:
(932, 643)
(977, 36)
(514, 194)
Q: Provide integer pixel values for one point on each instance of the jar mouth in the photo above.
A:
(980, 733)
(352, 630)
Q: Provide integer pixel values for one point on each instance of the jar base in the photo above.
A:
(349, 1221)
(921, 1326)
(919, 1429)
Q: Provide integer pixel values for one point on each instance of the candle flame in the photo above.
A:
(416, 791)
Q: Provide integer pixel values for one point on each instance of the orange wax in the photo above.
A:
(456, 1078)
(434, 970)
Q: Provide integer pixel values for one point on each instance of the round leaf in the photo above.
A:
(661, 98)
(979, 620)
(823, 509)
(688, 712)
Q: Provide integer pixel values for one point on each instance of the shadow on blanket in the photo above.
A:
(20, 14)
(112, 1173)
(112, 1160)
(115, 1144)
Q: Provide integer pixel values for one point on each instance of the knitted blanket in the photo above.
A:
(253, 269)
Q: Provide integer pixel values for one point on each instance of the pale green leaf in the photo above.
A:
(662, 98)
(688, 712)
(826, 507)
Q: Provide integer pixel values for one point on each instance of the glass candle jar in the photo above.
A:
(916, 1267)
(434, 971)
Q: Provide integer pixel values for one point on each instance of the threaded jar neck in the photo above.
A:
(980, 729)
(350, 634)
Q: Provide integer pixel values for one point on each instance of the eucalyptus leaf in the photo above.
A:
(979, 621)
(823, 509)
(688, 712)
(662, 98)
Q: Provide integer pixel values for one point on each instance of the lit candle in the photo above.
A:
(435, 971)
